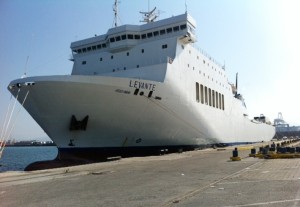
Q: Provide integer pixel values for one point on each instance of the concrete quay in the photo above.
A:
(196, 178)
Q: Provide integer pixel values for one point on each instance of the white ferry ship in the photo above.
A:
(136, 90)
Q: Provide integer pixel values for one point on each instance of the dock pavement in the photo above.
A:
(194, 178)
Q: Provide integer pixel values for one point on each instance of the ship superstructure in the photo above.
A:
(139, 89)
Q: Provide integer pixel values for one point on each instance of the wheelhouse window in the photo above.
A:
(118, 38)
(176, 29)
(162, 32)
(112, 39)
(183, 26)
(169, 30)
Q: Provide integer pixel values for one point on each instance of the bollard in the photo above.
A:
(278, 149)
(235, 155)
(265, 151)
(272, 149)
(283, 150)
(253, 152)
(292, 150)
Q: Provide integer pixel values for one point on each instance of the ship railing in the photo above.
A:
(203, 52)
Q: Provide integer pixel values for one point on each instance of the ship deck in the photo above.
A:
(195, 178)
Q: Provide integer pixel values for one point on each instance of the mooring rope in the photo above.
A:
(15, 121)
(7, 122)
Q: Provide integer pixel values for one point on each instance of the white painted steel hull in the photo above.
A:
(120, 119)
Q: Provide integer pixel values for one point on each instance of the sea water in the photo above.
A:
(17, 158)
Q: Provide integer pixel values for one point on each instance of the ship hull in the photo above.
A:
(126, 117)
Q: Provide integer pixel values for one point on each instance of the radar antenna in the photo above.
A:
(149, 16)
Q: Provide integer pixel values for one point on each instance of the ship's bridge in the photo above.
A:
(127, 36)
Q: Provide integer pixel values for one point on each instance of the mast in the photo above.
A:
(115, 10)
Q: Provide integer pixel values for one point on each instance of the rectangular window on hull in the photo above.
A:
(220, 101)
(223, 102)
(213, 98)
(209, 96)
(197, 92)
(202, 94)
(217, 99)
(205, 92)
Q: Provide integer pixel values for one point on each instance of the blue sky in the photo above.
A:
(259, 39)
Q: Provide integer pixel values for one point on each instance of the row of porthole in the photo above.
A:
(211, 78)
(220, 73)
